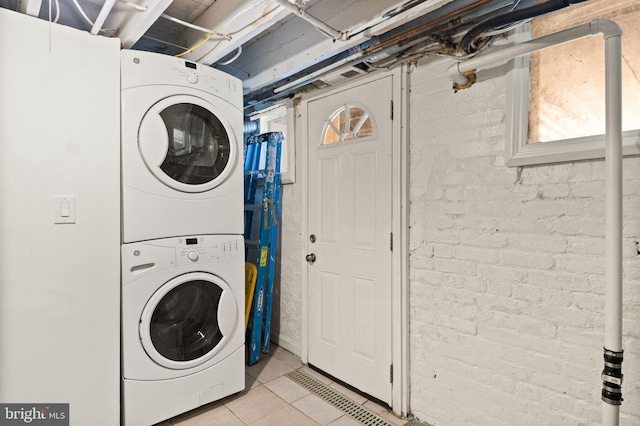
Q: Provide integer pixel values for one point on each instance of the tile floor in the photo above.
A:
(272, 399)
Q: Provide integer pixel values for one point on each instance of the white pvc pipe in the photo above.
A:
(455, 71)
(613, 154)
(324, 28)
(610, 414)
(613, 201)
(612, 35)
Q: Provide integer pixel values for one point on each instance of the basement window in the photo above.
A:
(557, 95)
(348, 123)
(280, 118)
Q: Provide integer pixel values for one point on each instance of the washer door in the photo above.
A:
(188, 320)
(186, 145)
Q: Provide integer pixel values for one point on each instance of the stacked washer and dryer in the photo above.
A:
(183, 249)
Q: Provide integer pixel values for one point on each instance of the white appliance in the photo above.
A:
(59, 219)
(182, 136)
(182, 324)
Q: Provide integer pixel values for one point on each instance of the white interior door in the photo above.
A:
(350, 222)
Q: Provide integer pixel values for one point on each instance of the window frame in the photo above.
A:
(354, 139)
(518, 150)
(264, 117)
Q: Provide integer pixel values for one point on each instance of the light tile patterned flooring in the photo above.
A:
(272, 399)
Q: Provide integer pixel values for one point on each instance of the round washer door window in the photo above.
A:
(186, 145)
(187, 321)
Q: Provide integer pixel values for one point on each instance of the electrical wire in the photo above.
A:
(242, 12)
(507, 28)
(515, 5)
(84, 15)
(210, 33)
(217, 32)
(246, 26)
(195, 46)
(49, 26)
(236, 56)
(55, 20)
(168, 43)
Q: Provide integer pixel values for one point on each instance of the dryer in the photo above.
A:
(182, 135)
(182, 324)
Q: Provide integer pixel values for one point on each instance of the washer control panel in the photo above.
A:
(193, 250)
(149, 257)
(193, 256)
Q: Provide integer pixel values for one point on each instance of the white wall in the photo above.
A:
(287, 308)
(59, 283)
(506, 269)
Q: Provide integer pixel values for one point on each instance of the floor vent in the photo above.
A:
(341, 402)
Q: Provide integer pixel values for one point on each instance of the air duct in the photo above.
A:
(251, 127)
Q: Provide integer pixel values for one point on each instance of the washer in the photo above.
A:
(182, 129)
(182, 324)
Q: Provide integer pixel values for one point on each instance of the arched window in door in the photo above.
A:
(348, 123)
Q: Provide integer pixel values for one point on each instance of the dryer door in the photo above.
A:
(188, 320)
(186, 144)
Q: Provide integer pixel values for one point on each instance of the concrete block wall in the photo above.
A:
(507, 269)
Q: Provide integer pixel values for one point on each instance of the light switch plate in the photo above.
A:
(64, 209)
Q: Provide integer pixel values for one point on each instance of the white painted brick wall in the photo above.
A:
(507, 270)
(287, 307)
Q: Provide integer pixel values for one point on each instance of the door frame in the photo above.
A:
(400, 224)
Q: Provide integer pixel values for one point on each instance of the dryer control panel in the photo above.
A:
(139, 68)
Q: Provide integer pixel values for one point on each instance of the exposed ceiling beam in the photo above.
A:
(102, 16)
(296, 46)
(136, 23)
(241, 20)
(30, 7)
(398, 16)
(325, 29)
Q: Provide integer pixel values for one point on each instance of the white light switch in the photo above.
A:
(64, 209)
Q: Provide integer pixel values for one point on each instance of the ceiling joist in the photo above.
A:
(30, 7)
(137, 23)
(239, 20)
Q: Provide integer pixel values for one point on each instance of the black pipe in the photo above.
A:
(612, 377)
(511, 17)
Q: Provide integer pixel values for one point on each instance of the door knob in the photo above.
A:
(311, 257)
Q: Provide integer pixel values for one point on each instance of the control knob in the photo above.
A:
(192, 78)
(193, 256)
